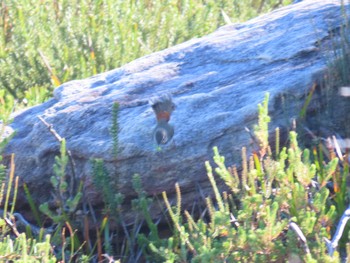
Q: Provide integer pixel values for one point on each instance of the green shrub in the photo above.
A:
(45, 43)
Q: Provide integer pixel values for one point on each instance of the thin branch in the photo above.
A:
(71, 160)
(17, 221)
(332, 245)
(233, 220)
(12, 226)
(297, 230)
(51, 129)
(262, 3)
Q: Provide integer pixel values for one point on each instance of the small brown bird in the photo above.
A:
(163, 107)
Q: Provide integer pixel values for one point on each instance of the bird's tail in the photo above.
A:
(162, 107)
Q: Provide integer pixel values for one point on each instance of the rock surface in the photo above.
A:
(216, 83)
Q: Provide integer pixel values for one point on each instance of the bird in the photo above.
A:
(163, 107)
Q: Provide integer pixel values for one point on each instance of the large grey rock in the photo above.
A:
(216, 82)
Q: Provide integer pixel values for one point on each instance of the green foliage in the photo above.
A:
(32, 204)
(35, 95)
(249, 223)
(142, 203)
(7, 103)
(12, 186)
(101, 176)
(252, 222)
(46, 43)
(261, 130)
(66, 201)
(150, 243)
(129, 237)
(103, 181)
(113, 200)
(22, 249)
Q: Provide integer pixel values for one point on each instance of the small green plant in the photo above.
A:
(15, 246)
(22, 249)
(66, 201)
(103, 181)
(154, 248)
(35, 95)
(112, 204)
(9, 180)
(101, 176)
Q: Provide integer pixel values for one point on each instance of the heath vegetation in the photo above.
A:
(284, 204)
